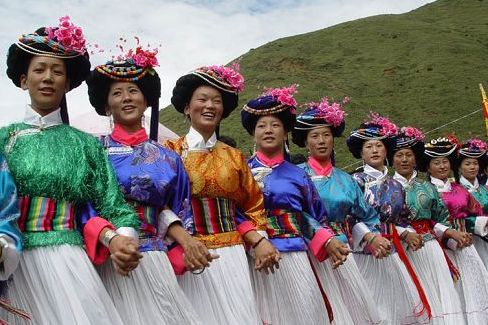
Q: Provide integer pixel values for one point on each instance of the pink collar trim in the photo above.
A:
(129, 139)
(318, 168)
(270, 162)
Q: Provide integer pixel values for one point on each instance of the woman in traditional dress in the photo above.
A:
(471, 160)
(465, 215)
(154, 182)
(295, 215)
(348, 292)
(58, 171)
(395, 285)
(429, 219)
(226, 201)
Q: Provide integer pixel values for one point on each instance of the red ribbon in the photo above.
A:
(403, 257)
(328, 306)
(425, 227)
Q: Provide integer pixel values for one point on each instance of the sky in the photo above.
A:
(192, 33)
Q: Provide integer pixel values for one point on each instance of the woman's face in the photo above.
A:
(404, 162)
(374, 153)
(439, 168)
(126, 103)
(320, 143)
(269, 134)
(46, 81)
(469, 168)
(205, 109)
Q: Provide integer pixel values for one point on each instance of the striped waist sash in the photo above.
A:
(283, 223)
(459, 224)
(39, 213)
(340, 228)
(213, 215)
(149, 216)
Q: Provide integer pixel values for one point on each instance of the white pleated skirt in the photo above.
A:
(393, 289)
(222, 294)
(482, 249)
(291, 295)
(349, 295)
(433, 272)
(473, 285)
(59, 285)
(151, 294)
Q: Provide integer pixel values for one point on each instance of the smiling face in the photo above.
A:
(469, 168)
(126, 103)
(205, 109)
(374, 153)
(46, 82)
(439, 168)
(320, 143)
(404, 162)
(269, 135)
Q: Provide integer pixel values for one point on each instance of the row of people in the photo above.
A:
(195, 207)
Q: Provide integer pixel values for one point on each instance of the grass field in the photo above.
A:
(421, 68)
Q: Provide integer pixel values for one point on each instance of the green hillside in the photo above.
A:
(421, 68)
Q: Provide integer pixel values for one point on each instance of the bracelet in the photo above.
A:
(108, 236)
(257, 243)
(371, 240)
(199, 271)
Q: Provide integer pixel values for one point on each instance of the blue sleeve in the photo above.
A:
(180, 201)
(314, 214)
(9, 206)
(362, 211)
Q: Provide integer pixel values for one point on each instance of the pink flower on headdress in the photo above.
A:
(412, 132)
(454, 140)
(387, 127)
(477, 144)
(283, 95)
(143, 58)
(230, 75)
(331, 112)
(68, 35)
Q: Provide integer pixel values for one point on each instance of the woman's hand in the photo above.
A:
(196, 254)
(463, 239)
(266, 256)
(124, 251)
(378, 245)
(337, 252)
(413, 240)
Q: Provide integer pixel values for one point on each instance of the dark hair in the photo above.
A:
(228, 141)
(186, 86)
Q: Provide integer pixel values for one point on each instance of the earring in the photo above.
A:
(143, 121)
(254, 149)
(111, 122)
(287, 150)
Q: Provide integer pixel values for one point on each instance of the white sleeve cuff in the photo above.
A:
(263, 233)
(10, 257)
(480, 226)
(166, 218)
(401, 230)
(358, 231)
(452, 244)
(439, 230)
(129, 232)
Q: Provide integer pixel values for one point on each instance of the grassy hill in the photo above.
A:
(420, 68)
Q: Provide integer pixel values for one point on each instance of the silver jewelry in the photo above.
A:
(108, 236)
